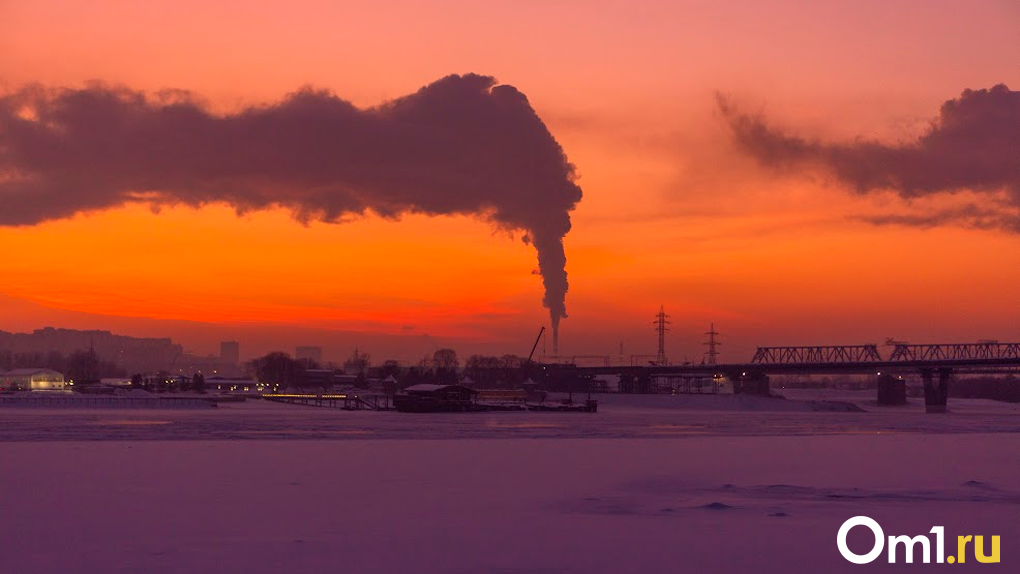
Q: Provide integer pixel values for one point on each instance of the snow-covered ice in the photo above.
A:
(647, 485)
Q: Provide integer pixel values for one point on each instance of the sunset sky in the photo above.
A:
(674, 213)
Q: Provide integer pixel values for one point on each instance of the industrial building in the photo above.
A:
(32, 380)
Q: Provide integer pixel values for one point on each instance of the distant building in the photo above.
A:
(134, 355)
(210, 365)
(310, 353)
(230, 352)
(32, 380)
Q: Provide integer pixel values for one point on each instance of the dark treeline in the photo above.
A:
(997, 388)
(281, 369)
(83, 367)
(442, 367)
(164, 383)
(86, 368)
(489, 372)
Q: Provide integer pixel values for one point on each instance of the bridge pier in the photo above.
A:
(892, 390)
(936, 393)
(749, 383)
(635, 384)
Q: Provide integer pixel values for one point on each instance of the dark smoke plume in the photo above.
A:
(973, 145)
(462, 145)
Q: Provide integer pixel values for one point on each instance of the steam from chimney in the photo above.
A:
(973, 144)
(461, 145)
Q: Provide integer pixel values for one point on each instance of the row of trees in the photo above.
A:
(86, 368)
(165, 383)
(442, 367)
(496, 372)
(280, 369)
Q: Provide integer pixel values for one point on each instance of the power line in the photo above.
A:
(713, 346)
(661, 320)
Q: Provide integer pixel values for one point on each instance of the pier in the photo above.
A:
(342, 401)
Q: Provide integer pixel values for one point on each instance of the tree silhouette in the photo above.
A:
(445, 359)
(83, 368)
(357, 363)
(277, 369)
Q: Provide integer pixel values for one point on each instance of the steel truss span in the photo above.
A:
(902, 353)
(816, 355)
(956, 352)
(836, 359)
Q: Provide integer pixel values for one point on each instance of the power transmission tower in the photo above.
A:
(713, 353)
(661, 320)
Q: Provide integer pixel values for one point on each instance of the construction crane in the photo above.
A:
(535, 346)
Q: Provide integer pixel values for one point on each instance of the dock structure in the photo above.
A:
(426, 398)
(344, 401)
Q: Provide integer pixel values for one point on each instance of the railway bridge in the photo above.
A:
(935, 363)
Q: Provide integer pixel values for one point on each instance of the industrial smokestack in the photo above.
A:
(461, 145)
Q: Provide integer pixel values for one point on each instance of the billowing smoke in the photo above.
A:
(973, 145)
(462, 145)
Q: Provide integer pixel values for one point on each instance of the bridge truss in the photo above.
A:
(956, 352)
(839, 359)
(816, 355)
(989, 352)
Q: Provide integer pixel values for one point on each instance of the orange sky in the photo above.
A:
(671, 215)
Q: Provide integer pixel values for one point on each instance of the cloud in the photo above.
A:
(461, 145)
(973, 145)
(968, 215)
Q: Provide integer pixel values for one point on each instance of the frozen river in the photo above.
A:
(648, 484)
(619, 416)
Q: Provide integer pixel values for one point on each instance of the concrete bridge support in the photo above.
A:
(892, 390)
(749, 383)
(936, 392)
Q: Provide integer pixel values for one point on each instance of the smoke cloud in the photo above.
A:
(973, 145)
(461, 145)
